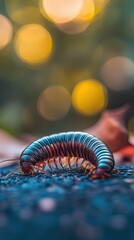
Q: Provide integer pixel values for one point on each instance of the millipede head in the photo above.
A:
(100, 173)
(27, 167)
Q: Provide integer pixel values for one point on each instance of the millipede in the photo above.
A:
(72, 150)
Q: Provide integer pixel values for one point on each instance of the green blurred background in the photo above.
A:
(62, 63)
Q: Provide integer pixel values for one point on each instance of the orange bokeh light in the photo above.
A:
(54, 103)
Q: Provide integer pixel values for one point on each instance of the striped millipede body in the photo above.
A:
(68, 149)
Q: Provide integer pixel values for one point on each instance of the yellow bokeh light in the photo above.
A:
(89, 97)
(54, 103)
(6, 31)
(60, 11)
(87, 11)
(131, 126)
(33, 44)
(99, 5)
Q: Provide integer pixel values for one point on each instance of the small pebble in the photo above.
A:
(47, 204)
(75, 187)
(129, 180)
(78, 179)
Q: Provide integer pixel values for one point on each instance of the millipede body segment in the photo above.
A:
(69, 149)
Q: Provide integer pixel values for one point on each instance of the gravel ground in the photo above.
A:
(67, 205)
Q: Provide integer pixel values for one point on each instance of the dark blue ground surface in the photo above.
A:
(67, 205)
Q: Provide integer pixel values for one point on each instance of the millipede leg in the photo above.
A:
(55, 163)
(38, 168)
(73, 161)
(66, 162)
(49, 165)
(69, 164)
(32, 172)
(82, 163)
(87, 166)
(116, 170)
(21, 172)
(77, 159)
(43, 168)
(60, 161)
(91, 170)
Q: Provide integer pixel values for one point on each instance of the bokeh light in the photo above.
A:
(23, 12)
(33, 44)
(60, 11)
(6, 31)
(81, 21)
(131, 126)
(118, 73)
(99, 5)
(87, 11)
(89, 97)
(54, 103)
(73, 27)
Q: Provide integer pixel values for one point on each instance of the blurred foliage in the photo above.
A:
(75, 57)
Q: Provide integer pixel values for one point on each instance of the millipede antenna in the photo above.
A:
(18, 168)
(8, 160)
